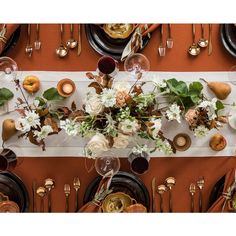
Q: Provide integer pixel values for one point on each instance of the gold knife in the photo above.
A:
(34, 187)
(153, 194)
(79, 40)
(210, 40)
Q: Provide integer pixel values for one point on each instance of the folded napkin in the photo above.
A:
(101, 193)
(136, 41)
(222, 203)
(6, 30)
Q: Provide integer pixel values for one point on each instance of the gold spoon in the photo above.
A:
(192, 190)
(49, 185)
(41, 191)
(202, 41)
(62, 51)
(161, 189)
(71, 42)
(194, 50)
(170, 182)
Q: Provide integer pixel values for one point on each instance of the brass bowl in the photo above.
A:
(118, 31)
(182, 137)
(61, 85)
(117, 202)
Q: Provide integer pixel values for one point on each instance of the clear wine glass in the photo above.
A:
(8, 68)
(137, 64)
(107, 162)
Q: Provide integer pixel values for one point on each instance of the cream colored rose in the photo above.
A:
(121, 98)
(98, 144)
(121, 141)
(94, 106)
(129, 126)
(122, 86)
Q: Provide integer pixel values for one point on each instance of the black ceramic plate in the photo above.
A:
(105, 45)
(225, 42)
(122, 182)
(12, 186)
(230, 33)
(216, 191)
(12, 41)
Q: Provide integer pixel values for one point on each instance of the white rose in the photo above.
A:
(94, 106)
(129, 126)
(121, 141)
(98, 144)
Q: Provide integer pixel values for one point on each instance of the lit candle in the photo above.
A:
(181, 141)
(67, 88)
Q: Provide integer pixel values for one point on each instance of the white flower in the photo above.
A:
(139, 149)
(163, 146)
(22, 125)
(121, 141)
(32, 118)
(97, 144)
(36, 102)
(173, 113)
(122, 86)
(71, 127)
(156, 127)
(128, 126)
(43, 133)
(210, 107)
(201, 131)
(93, 105)
(108, 97)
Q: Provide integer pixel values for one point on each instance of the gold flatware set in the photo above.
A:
(195, 48)
(46, 189)
(161, 190)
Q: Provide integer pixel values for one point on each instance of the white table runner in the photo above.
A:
(62, 145)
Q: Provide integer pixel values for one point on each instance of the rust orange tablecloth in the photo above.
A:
(185, 170)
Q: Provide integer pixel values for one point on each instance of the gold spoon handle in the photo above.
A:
(169, 30)
(192, 203)
(62, 30)
(67, 203)
(161, 34)
(170, 201)
(161, 203)
(71, 30)
(210, 42)
(79, 40)
(41, 205)
(49, 201)
(76, 201)
(202, 31)
(194, 32)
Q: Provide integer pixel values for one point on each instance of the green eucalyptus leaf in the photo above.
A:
(52, 95)
(195, 88)
(6, 94)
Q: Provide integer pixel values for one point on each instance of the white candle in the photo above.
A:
(67, 88)
(181, 141)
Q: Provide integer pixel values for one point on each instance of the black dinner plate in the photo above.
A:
(12, 186)
(105, 45)
(216, 191)
(225, 41)
(12, 41)
(230, 33)
(122, 182)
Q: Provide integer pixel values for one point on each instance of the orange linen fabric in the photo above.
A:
(10, 29)
(218, 206)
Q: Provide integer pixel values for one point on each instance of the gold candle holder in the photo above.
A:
(66, 87)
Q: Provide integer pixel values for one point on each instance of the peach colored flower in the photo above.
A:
(121, 97)
(191, 117)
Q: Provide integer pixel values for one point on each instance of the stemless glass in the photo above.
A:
(137, 64)
(107, 162)
(107, 66)
(8, 67)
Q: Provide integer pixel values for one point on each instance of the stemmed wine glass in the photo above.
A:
(137, 64)
(107, 162)
(8, 67)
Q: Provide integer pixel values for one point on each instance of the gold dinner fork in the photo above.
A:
(76, 184)
(67, 193)
(192, 190)
(200, 184)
